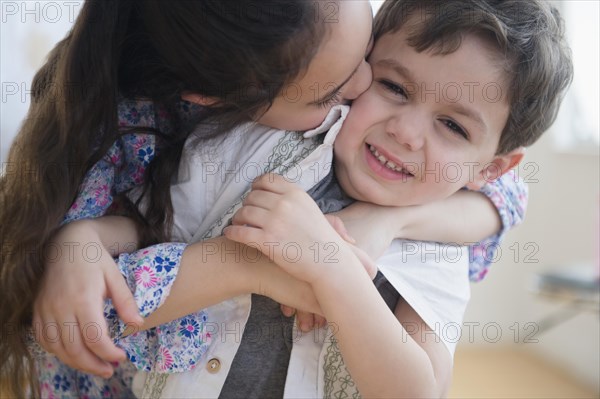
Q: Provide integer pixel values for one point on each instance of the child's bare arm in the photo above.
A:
(286, 215)
(463, 218)
(78, 281)
(371, 332)
(478, 218)
(213, 271)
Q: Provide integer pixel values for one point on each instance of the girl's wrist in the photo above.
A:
(407, 220)
(402, 218)
(82, 231)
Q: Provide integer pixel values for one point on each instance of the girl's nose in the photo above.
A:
(360, 82)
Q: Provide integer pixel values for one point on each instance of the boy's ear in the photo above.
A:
(199, 99)
(496, 168)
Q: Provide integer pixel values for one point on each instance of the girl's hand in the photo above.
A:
(68, 312)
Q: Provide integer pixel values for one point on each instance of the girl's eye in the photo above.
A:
(394, 88)
(455, 128)
(331, 101)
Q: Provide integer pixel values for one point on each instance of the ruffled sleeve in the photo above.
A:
(150, 272)
(509, 195)
(122, 167)
(172, 347)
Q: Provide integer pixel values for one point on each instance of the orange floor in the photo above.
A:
(511, 374)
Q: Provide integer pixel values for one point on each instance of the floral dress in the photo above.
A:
(150, 272)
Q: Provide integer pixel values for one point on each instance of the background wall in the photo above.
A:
(561, 229)
(560, 232)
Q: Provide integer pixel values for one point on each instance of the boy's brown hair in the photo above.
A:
(529, 37)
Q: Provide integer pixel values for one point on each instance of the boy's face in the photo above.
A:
(428, 125)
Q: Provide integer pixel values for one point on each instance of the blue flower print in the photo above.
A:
(165, 263)
(61, 383)
(189, 328)
(133, 116)
(145, 155)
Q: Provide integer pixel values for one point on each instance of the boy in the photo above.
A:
(440, 115)
(410, 125)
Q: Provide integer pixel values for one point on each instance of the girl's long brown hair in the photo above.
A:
(152, 49)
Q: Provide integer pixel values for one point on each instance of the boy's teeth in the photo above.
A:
(385, 162)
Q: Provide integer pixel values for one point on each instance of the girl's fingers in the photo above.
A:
(305, 321)
(320, 321)
(64, 342)
(49, 337)
(79, 355)
(96, 338)
(287, 311)
(122, 298)
(39, 335)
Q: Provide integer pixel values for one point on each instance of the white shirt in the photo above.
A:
(213, 177)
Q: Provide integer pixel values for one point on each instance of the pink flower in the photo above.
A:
(165, 359)
(46, 391)
(138, 175)
(145, 276)
(101, 195)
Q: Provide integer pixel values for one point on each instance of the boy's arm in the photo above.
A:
(379, 346)
(372, 340)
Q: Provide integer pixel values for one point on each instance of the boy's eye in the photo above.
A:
(331, 101)
(394, 88)
(455, 128)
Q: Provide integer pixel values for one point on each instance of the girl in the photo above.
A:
(221, 106)
(236, 56)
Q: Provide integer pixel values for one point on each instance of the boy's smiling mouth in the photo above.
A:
(384, 166)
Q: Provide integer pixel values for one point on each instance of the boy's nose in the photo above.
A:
(360, 82)
(405, 133)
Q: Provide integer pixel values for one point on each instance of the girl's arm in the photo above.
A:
(376, 346)
(218, 269)
(80, 270)
(169, 281)
(476, 218)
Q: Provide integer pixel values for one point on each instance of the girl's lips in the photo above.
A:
(382, 170)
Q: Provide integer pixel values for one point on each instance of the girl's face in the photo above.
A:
(337, 73)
